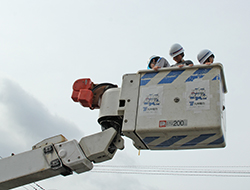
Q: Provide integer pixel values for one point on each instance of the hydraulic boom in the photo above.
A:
(173, 108)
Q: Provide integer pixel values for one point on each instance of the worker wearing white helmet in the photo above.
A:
(177, 52)
(155, 62)
(205, 57)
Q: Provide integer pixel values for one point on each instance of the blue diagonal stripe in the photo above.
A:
(144, 82)
(217, 77)
(147, 77)
(198, 139)
(171, 141)
(148, 140)
(171, 76)
(198, 74)
(218, 141)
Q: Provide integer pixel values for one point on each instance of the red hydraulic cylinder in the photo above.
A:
(82, 92)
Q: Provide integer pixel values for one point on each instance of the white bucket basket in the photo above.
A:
(175, 108)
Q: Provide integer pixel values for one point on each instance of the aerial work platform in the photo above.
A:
(171, 109)
(175, 108)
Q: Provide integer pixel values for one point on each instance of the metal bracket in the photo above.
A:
(52, 157)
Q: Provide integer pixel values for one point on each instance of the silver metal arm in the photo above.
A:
(55, 156)
(174, 108)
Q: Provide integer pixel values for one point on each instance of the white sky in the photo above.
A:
(46, 45)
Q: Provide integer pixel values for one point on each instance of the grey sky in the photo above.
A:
(24, 120)
(46, 45)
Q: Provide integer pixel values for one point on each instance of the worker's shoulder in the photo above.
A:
(162, 59)
(188, 62)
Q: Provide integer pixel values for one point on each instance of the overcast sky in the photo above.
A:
(46, 45)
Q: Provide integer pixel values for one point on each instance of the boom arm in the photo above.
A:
(174, 108)
(56, 156)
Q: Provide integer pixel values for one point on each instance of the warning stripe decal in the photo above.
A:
(171, 141)
(217, 77)
(148, 140)
(193, 142)
(147, 77)
(218, 141)
(171, 76)
(199, 139)
(198, 74)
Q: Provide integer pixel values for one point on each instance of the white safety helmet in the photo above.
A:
(150, 59)
(175, 50)
(204, 55)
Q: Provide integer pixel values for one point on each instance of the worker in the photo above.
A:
(155, 62)
(177, 52)
(206, 57)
